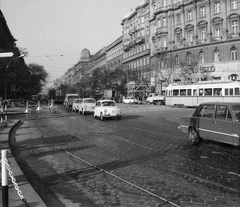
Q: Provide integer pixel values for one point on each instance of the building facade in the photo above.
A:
(169, 41)
(194, 40)
(136, 48)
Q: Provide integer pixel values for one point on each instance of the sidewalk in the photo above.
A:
(28, 192)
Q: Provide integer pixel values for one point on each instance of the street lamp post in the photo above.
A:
(5, 96)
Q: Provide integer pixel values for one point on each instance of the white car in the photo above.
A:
(106, 108)
(130, 100)
(87, 105)
(75, 104)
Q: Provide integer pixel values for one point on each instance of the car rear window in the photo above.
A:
(223, 112)
(72, 97)
(108, 103)
(236, 110)
(89, 101)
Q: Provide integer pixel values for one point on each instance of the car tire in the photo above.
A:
(193, 136)
(95, 117)
(101, 117)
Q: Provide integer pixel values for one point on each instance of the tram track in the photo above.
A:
(166, 150)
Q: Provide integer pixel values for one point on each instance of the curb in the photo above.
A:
(28, 191)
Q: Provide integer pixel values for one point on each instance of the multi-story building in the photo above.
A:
(136, 47)
(114, 57)
(194, 40)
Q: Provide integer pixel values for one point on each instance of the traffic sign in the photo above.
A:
(6, 54)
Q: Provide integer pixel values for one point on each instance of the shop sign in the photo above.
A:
(201, 69)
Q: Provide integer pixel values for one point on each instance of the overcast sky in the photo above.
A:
(54, 32)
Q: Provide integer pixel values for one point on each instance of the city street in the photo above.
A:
(141, 160)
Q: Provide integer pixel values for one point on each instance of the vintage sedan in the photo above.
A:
(130, 100)
(87, 105)
(105, 109)
(216, 121)
(75, 104)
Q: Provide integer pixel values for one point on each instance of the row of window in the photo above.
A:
(139, 63)
(216, 9)
(135, 50)
(201, 57)
(205, 92)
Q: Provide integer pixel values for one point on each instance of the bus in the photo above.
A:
(206, 91)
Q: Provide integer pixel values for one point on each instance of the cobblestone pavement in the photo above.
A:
(142, 160)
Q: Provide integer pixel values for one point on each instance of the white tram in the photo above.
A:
(206, 91)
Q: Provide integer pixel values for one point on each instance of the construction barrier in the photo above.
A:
(38, 107)
(27, 107)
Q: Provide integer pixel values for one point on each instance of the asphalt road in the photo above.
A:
(141, 160)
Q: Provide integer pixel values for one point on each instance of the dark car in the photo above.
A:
(216, 121)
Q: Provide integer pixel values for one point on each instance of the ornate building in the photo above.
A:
(194, 40)
(136, 47)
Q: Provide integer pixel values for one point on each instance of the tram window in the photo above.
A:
(226, 91)
(200, 92)
(208, 91)
(189, 92)
(182, 92)
(217, 91)
(176, 92)
(195, 92)
(237, 91)
(231, 91)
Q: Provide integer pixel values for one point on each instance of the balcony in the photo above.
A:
(140, 40)
(132, 43)
(199, 42)
(233, 36)
(216, 39)
(126, 48)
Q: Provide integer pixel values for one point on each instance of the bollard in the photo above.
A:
(26, 111)
(4, 180)
(6, 112)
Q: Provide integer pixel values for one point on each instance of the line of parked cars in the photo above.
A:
(100, 109)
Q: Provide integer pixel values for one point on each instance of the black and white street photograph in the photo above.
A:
(120, 103)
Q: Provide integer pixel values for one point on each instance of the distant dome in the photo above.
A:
(85, 55)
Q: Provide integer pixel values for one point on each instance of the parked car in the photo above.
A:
(216, 121)
(87, 105)
(68, 101)
(106, 108)
(76, 104)
(130, 100)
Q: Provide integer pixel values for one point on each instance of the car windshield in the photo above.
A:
(108, 103)
(236, 111)
(89, 101)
